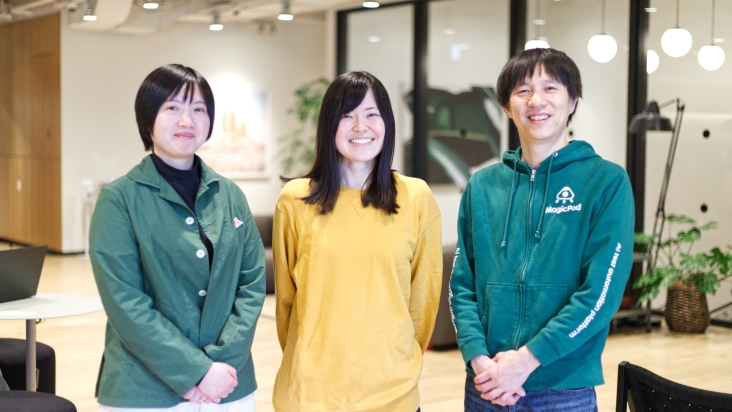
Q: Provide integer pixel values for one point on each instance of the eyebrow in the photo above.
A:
(175, 99)
(371, 108)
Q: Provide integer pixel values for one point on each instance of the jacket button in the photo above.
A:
(200, 253)
(202, 293)
(190, 220)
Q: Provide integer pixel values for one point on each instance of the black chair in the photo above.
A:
(22, 401)
(652, 393)
(12, 364)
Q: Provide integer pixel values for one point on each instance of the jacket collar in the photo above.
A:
(147, 174)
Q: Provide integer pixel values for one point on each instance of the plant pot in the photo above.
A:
(686, 309)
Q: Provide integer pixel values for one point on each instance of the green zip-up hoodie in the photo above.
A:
(542, 260)
(170, 316)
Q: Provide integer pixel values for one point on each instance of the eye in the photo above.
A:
(346, 116)
(374, 114)
(201, 109)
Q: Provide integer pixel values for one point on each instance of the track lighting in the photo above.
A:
(216, 24)
(285, 15)
(89, 12)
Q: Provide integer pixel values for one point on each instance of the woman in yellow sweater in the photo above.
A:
(358, 264)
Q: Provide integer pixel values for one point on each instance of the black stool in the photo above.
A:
(12, 365)
(22, 401)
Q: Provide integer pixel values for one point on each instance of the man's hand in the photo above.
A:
(219, 382)
(504, 382)
(482, 365)
(194, 395)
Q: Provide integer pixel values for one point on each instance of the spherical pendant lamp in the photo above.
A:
(711, 57)
(602, 47)
(676, 41)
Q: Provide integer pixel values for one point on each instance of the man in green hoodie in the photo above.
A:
(544, 251)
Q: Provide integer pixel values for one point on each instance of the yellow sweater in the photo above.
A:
(357, 294)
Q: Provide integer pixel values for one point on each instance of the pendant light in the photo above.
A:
(602, 47)
(711, 56)
(676, 42)
(538, 42)
(652, 61)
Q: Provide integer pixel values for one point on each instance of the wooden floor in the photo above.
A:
(703, 361)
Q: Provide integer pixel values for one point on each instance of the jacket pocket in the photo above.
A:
(501, 316)
(543, 302)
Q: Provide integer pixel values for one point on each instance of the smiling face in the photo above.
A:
(360, 134)
(540, 107)
(181, 127)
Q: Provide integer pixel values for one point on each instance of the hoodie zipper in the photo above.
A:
(522, 303)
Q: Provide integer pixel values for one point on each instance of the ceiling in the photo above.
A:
(129, 16)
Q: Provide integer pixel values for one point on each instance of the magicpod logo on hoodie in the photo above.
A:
(566, 195)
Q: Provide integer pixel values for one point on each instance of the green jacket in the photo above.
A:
(542, 260)
(152, 269)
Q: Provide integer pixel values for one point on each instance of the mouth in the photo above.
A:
(185, 135)
(362, 140)
(538, 117)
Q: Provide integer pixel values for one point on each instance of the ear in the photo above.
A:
(507, 110)
(572, 106)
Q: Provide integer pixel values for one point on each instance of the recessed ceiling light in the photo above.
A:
(651, 9)
(371, 4)
(150, 5)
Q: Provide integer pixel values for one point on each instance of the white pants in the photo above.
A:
(245, 404)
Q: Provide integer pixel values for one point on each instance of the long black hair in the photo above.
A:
(342, 97)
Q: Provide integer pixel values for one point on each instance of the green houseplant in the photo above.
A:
(688, 276)
(297, 149)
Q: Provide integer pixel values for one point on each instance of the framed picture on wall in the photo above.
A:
(241, 142)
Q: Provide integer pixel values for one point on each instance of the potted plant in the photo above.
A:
(688, 276)
(297, 149)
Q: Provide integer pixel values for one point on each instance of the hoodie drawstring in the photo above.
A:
(510, 203)
(537, 234)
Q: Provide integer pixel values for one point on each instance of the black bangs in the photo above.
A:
(160, 86)
(555, 63)
(343, 96)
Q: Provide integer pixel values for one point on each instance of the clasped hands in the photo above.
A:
(500, 380)
(219, 382)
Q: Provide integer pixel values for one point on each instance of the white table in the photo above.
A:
(44, 306)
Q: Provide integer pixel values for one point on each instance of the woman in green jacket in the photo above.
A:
(179, 265)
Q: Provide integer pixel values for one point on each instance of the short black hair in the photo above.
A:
(162, 84)
(554, 62)
(343, 96)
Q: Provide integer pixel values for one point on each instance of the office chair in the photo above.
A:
(652, 393)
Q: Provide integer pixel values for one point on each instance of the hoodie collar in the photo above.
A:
(576, 150)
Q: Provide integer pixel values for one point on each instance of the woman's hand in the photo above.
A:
(194, 395)
(219, 382)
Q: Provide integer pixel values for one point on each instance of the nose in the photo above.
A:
(185, 118)
(360, 124)
(536, 99)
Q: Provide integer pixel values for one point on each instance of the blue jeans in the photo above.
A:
(565, 400)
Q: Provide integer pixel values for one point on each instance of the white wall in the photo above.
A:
(701, 171)
(100, 75)
(601, 117)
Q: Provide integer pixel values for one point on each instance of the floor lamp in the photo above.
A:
(651, 119)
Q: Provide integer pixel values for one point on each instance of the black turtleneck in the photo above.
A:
(185, 183)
